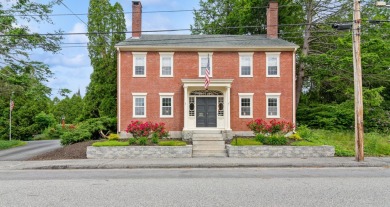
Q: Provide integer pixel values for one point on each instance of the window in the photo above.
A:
(139, 64)
(166, 104)
(166, 64)
(205, 60)
(192, 106)
(246, 64)
(139, 105)
(273, 105)
(273, 68)
(246, 105)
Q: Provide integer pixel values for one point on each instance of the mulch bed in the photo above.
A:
(74, 151)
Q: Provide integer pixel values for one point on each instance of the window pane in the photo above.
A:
(166, 111)
(139, 102)
(245, 70)
(272, 70)
(139, 111)
(166, 70)
(203, 64)
(245, 106)
(139, 70)
(245, 61)
(166, 101)
(272, 107)
(139, 61)
(272, 61)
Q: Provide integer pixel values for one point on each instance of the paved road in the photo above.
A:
(197, 187)
(32, 148)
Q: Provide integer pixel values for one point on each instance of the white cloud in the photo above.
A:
(78, 38)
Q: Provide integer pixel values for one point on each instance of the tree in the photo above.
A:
(19, 74)
(106, 27)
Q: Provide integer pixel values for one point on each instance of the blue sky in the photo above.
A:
(71, 66)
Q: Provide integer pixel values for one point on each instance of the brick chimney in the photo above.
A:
(137, 19)
(272, 20)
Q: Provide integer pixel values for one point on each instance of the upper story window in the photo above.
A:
(139, 64)
(205, 60)
(139, 105)
(246, 64)
(273, 105)
(246, 105)
(273, 64)
(166, 64)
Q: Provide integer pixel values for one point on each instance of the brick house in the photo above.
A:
(161, 78)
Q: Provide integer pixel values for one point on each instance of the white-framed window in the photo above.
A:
(166, 105)
(166, 64)
(246, 64)
(139, 64)
(272, 64)
(273, 105)
(139, 105)
(205, 60)
(246, 105)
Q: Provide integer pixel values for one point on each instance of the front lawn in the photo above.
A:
(4, 144)
(239, 141)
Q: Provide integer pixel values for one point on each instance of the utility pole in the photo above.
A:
(357, 67)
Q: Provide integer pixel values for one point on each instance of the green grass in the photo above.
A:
(305, 143)
(244, 142)
(375, 144)
(110, 144)
(172, 143)
(4, 144)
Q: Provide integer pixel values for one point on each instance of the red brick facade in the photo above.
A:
(225, 65)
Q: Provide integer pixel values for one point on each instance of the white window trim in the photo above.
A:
(273, 95)
(246, 54)
(139, 95)
(245, 95)
(272, 54)
(205, 54)
(139, 54)
(166, 95)
(162, 55)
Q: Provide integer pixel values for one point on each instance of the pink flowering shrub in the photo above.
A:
(260, 126)
(144, 129)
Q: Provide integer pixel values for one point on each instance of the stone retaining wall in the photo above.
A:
(139, 152)
(280, 151)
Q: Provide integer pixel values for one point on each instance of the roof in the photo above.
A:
(240, 42)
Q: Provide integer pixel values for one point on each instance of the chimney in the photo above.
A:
(272, 20)
(137, 19)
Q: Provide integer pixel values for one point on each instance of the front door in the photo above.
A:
(206, 112)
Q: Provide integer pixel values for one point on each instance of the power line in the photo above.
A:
(73, 13)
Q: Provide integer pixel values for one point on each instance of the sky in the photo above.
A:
(71, 66)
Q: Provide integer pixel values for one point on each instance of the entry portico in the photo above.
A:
(206, 109)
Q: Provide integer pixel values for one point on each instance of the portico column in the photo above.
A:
(185, 107)
(228, 108)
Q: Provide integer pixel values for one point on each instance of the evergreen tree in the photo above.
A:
(106, 27)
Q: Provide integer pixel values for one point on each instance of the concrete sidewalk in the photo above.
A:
(196, 163)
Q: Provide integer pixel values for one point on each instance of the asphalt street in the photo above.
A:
(32, 148)
(197, 187)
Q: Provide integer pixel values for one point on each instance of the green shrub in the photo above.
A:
(41, 137)
(172, 143)
(304, 132)
(305, 143)
(143, 141)
(155, 138)
(113, 137)
(275, 140)
(132, 141)
(295, 137)
(74, 136)
(260, 138)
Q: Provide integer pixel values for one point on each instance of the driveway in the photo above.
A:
(31, 149)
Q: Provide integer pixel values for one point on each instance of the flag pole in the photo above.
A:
(10, 118)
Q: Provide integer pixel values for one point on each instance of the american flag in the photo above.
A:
(11, 105)
(207, 74)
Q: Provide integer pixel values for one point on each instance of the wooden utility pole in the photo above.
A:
(357, 68)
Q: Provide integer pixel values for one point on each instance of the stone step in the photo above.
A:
(207, 137)
(209, 142)
(207, 132)
(208, 147)
(209, 153)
